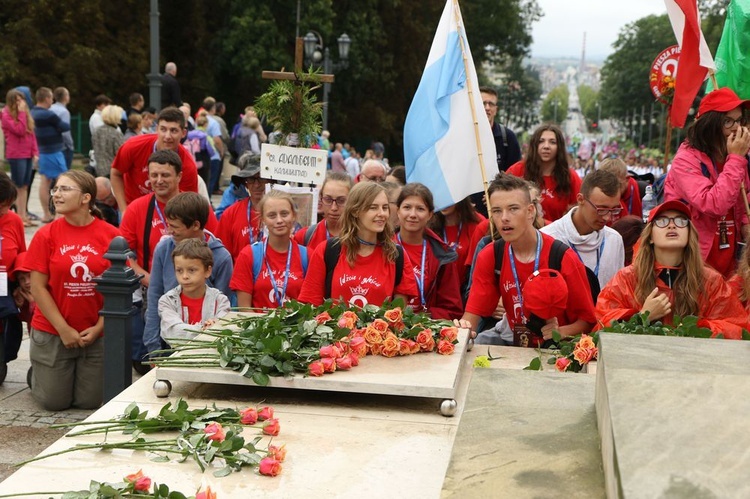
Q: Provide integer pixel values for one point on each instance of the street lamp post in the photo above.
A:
(313, 47)
(154, 78)
(555, 103)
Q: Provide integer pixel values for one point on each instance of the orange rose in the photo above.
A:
(376, 349)
(403, 347)
(357, 333)
(215, 432)
(414, 346)
(394, 315)
(323, 318)
(272, 427)
(445, 347)
(343, 347)
(380, 325)
(316, 368)
(449, 333)
(348, 320)
(277, 453)
(329, 351)
(398, 326)
(140, 483)
(426, 341)
(269, 466)
(584, 355)
(373, 336)
(562, 364)
(586, 342)
(358, 346)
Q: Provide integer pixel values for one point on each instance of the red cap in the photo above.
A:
(669, 205)
(20, 264)
(721, 100)
(545, 294)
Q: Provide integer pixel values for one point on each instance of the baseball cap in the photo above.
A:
(669, 205)
(21, 263)
(249, 167)
(545, 294)
(721, 100)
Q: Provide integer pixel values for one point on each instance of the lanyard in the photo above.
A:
(515, 273)
(458, 236)
(599, 253)
(328, 234)
(161, 215)
(422, 270)
(630, 201)
(279, 295)
(250, 222)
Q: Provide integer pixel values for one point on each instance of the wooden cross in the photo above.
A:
(297, 77)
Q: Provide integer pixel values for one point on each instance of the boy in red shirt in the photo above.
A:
(526, 251)
(192, 305)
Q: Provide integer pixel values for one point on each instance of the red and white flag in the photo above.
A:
(695, 57)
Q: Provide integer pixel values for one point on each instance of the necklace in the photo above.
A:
(366, 243)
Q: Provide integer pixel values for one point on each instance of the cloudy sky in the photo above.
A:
(560, 31)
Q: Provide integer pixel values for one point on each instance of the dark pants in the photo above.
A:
(68, 154)
(215, 175)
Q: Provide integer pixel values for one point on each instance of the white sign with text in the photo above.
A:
(293, 164)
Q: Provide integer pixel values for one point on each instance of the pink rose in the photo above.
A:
(394, 315)
(562, 364)
(316, 368)
(343, 363)
(140, 483)
(215, 432)
(248, 416)
(323, 318)
(445, 347)
(206, 494)
(269, 467)
(265, 413)
(329, 351)
(277, 453)
(354, 358)
(358, 346)
(413, 346)
(357, 333)
(449, 333)
(329, 364)
(426, 341)
(272, 427)
(348, 320)
(380, 325)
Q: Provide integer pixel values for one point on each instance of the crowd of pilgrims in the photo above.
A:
(544, 251)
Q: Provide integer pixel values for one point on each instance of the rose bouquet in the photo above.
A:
(207, 436)
(300, 338)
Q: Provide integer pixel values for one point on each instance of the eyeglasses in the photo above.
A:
(255, 180)
(64, 189)
(328, 200)
(730, 122)
(489, 103)
(679, 221)
(603, 212)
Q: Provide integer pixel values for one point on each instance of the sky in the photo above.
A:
(560, 32)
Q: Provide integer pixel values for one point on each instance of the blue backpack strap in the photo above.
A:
(257, 259)
(303, 258)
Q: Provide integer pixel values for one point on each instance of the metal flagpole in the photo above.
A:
(457, 15)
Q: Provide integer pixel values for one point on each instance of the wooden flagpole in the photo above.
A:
(457, 15)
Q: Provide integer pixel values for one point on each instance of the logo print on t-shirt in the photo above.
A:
(79, 262)
(358, 296)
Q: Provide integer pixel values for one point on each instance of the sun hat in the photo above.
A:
(721, 100)
(249, 167)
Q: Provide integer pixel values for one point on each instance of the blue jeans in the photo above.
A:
(20, 171)
(215, 175)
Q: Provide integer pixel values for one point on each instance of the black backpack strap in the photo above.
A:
(399, 265)
(556, 254)
(309, 233)
(331, 258)
(147, 233)
(499, 247)
(504, 133)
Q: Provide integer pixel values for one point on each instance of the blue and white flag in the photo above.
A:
(440, 139)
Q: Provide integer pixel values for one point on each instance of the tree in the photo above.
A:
(589, 101)
(555, 105)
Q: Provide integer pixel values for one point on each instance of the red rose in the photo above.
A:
(140, 483)
(272, 427)
(215, 432)
(426, 341)
(445, 347)
(394, 315)
(269, 467)
(265, 413)
(323, 318)
(562, 364)
(315, 368)
(206, 494)
(248, 416)
(354, 358)
(449, 333)
(380, 325)
(343, 363)
(329, 364)
(358, 346)
(277, 453)
(403, 347)
(329, 351)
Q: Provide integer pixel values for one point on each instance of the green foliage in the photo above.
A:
(588, 98)
(639, 324)
(559, 94)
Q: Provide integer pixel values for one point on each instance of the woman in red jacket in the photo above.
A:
(20, 147)
(668, 278)
(431, 258)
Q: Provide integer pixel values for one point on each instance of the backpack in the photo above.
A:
(331, 258)
(658, 188)
(309, 233)
(258, 259)
(556, 254)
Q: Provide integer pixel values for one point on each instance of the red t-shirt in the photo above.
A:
(319, 235)
(192, 309)
(133, 226)
(234, 228)
(370, 281)
(12, 239)
(132, 161)
(486, 290)
(262, 290)
(555, 205)
(71, 257)
(632, 199)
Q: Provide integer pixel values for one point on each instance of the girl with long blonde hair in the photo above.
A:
(668, 278)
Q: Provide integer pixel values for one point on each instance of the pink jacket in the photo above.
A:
(709, 198)
(19, 142)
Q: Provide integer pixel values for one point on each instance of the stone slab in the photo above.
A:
(526, 434)
(673, 416)
(422, 375)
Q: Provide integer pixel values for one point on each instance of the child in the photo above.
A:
(192, 305)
